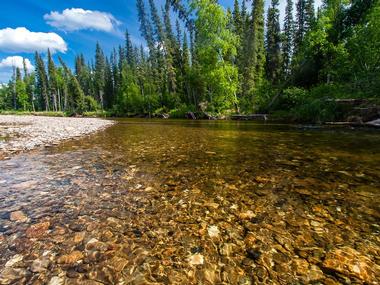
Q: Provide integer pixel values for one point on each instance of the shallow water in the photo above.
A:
(182, 202)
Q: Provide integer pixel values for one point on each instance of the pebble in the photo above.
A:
(18, 216)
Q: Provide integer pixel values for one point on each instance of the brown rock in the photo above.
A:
(18, 216)
(70, 258)
(79, 237)
(351, 263)
(117, 263)
(11, 275)
(37, 230)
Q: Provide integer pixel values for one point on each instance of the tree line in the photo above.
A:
(200, 56)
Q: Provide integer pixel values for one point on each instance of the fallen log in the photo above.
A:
(251, 117)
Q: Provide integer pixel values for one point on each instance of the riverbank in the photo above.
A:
(20, 133)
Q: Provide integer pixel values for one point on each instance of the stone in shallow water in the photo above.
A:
(213, 231)
(196, 259)
(14, 260)
(37, 230)
(40, 265)
(12, 275)
(18, 216)
(56, 281)
(349, 262)
(70, 258)
(78, 237)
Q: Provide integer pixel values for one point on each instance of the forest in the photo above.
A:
(200, 57)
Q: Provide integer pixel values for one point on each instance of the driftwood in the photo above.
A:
(252, 117)
(374, 123)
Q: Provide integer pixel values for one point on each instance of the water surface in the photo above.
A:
(182, 202)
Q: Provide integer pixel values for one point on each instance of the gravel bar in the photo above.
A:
(20, 133)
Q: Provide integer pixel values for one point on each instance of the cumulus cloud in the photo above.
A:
(23, 40)
(16, 61)
(75, 19)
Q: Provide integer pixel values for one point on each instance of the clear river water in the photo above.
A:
(194, 202)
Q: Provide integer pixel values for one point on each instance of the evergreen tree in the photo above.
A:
(288, 39)
(300, 23)
(130, 56)
(273, 43)
(42, 84)
(309, 14)
(100, 69)
(255, 50)
(52, 82)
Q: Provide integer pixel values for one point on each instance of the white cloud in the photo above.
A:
(16, 61)
(75, 19)
(23, 40)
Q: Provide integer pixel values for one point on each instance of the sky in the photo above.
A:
(67, 28)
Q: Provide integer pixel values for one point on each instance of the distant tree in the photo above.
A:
(42, 84)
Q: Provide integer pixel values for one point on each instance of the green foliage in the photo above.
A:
(214, 62)
(215, 45)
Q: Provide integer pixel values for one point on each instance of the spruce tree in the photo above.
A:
(255, 50)
(288, 39)
(100, 68)
(300, 24)
(273, 43)
(42, 83)
(52, 82)
(309, 14)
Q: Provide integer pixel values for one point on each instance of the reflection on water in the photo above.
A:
(179, 202)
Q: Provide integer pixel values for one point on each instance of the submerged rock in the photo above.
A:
(70, 258)
(12, 275)
(37, 230)
(18, 216)
(196, 259)
(351, 263)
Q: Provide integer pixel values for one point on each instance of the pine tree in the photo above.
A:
(237, 17)
(52, 82)
(309, 14)
(145, 25)
(100, 69)
(42, 83)
(75, 96)
(255, 50)
(300, 24)
(273, 43)
(129, 50)
(288, 39)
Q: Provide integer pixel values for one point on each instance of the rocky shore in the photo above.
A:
(19, 133)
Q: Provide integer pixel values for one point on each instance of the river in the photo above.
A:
(194, 202)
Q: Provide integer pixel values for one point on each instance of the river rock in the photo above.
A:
(37, 230)
(70, 258)
(213, 231)
(18, 216)
(79, 237)
(196, 259)
(56, 281)
(348, 261)
(14, 260)
(12, 275)
(40, 265)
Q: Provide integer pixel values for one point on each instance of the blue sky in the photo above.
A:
(68, 27)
